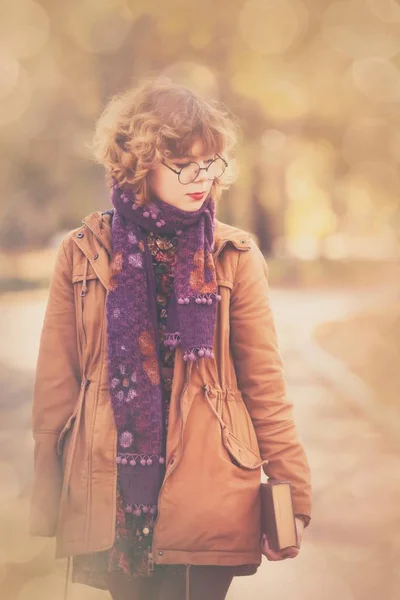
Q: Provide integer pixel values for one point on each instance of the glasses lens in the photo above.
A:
(216, 169)
(189, 173)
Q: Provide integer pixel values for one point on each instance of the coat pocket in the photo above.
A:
(63, 435)
(241, 454)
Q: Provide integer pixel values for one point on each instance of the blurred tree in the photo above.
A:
(280, 66)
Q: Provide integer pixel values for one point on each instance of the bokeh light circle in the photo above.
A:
(272, 26)
(24, 28)
(378, 79)
(95, 27)
(198, 76)
(13, 106)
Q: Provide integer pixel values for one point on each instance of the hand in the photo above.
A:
(290, 552)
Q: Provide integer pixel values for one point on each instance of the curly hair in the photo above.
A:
(158, 120)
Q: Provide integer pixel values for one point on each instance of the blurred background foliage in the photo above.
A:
(315, 83)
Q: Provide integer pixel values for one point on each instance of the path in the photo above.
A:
(351, 551)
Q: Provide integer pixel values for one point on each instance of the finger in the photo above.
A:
(269, 553)
(272, 557)
(267, 546)
(291, 553)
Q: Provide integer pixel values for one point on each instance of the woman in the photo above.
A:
(158, 339)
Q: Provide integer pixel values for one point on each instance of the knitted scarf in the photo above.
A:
(133, 337)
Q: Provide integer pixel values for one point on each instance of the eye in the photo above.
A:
(183, 165)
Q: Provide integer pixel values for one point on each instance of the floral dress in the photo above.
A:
(131, 552)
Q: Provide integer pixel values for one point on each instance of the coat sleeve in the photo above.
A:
(260, 375)
(56, 389)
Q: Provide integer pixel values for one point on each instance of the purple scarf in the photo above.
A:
(133, 337)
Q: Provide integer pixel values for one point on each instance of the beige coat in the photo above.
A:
(233, 406)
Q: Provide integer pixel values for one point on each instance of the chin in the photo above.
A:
(193, 207)
(196, 204)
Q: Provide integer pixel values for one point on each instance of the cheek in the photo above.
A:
(165, 185)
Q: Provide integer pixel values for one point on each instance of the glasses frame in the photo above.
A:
(200, 169)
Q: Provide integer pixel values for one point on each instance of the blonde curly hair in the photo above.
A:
(160, 120)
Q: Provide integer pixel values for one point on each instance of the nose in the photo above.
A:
(202, 176)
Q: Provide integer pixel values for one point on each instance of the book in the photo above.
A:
(277, 514)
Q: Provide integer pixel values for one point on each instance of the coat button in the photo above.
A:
(160, 553)
(96, 256)
(79, 235)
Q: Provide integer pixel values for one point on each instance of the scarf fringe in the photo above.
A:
(145, 460)
(200, 299)
(172, 339)
(139, 509)
(197, 353)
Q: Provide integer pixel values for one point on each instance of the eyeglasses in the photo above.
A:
(190, 171)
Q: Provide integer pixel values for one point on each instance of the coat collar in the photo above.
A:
(97, 245)
(100, 225)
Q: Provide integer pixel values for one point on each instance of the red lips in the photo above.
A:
(198, 196)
